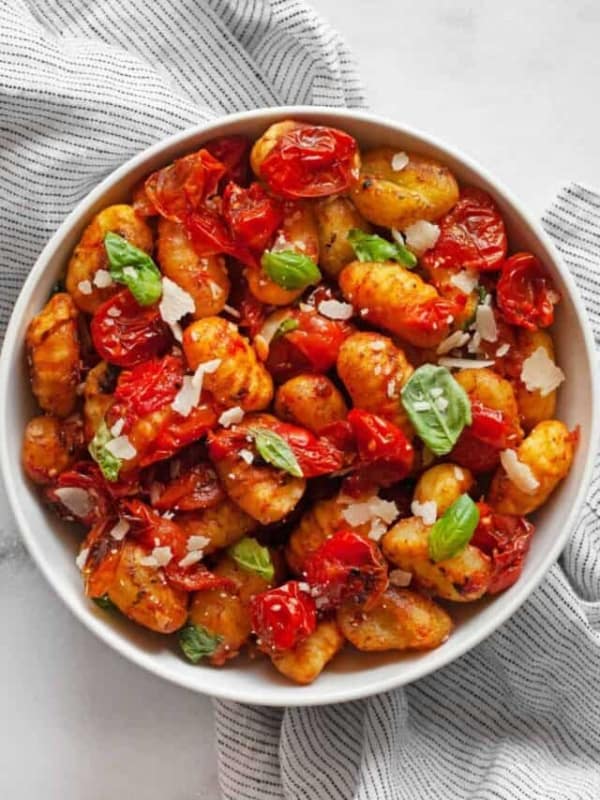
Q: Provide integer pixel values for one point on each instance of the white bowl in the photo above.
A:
(53, 543)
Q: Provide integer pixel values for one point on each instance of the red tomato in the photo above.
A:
(433, 315)
(385, 455)
(180, 188)
(525, 294)
(472, 235)
(195, 488)
(178, 432)
(233, 152)
(126, 334)
(283, 617)
(310, 161)
(479, 445)
(103, 557)
(473, 454)
(252, 215)
(312, 347)
(146, 388)
(209, 236)
(152, 530)
(87, 476)
(252, 313)
(506, 539)
(347, 566)
(316, 456)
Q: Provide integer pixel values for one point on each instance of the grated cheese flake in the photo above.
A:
(503, 350)
(334, 309)
(82, 557)
(465, 280)
(75, 499)
(518, 473)
(397, 236)
(175, 302)
(421, 236)
(162, 555)
(400, 578)
(540, 374)
(196, 542)
(148, 561)
(399, 161)
(441, 403)
(85, 287)
(119, 530)
(391, 388)
(102, 279)
(121, 447)
(232, 311)
(422, 405)
(485, 323)
(247, 456)
(456, 339)
(359, 513)
(117, 428)
(191, 558)
(426, 511)
(187, 397)
(232, 416)
(113, 311)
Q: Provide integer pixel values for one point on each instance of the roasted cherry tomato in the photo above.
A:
(506, 539)
(233, 152)
(195, 488)
(316, 456)
(472, 235)
(104, 552)
(210, 236)
(152, 530)
(180, 188)
(471, 453)
(311, 161)
(126, 334)
(252, 215)
(252, 313)
(147, 387)
(283, 617)
(385, 455)
(525, 294)
(178, 432)
(434, 314)
(86, 476)
(312, 347)
(479, 445)
(347, 566)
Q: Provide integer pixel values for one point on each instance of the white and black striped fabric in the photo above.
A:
(84, 84)
(517, 718)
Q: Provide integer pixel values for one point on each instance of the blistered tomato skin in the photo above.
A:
(283, 617)
(525, 293)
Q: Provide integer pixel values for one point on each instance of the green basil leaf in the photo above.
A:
(197, 642)
(134, 268)
(437, 406)
(253, 557)
(108, 463)
(369, 247)
(287, 326)
(275, 450)
(105, 603)
(290, 269)
(453, 530)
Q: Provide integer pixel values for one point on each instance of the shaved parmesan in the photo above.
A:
(456, 339)
(113, 311)
(441, 403)
(162, 555)
(474, 345)
(485, 323)
(187, 397)
(209, 367)
(247, 456)
(196, 542)
(391, 388)
(175, 302)
(421, 236)
(377, 529)
(427, 511)
(232, 416)
(540, 373)
(119, 530)
(148, 561)
(400, 578)
(422, 405)
(503, 350)
(117, 427)
(518, 473)
(397, 236)
(399, 161)
(464, 363)
(85, 287)
(232, 311)
(466, 280)
(176, 330)
(375, 508)
(76, 500)
(333, 309)
(102, 279)
(121, 447)
(82, 557)
(191, 558)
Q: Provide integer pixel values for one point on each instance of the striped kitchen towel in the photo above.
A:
(83, 86)
(517, 718)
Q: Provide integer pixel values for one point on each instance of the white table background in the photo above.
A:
(515, 85)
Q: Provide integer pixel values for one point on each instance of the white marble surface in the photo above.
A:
(515, 85)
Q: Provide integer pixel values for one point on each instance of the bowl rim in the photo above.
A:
(287, 695)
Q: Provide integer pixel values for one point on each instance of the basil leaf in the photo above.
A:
(290, 269)
(105, 603)
(197, 642)
(453, 530)
(108, 463)
(251, 556)
(437, 406)
(275, 450)
(287, 326)
(134, 268)
(369, 247)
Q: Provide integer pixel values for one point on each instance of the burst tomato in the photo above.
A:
(233, 152)
(84, 475)
(385, 455)
(433, 315)
(479, 445)
(283, 617)
(310, 161)
(506, 539)
(472, 235)
(252, 215)
(525, 294)
(316, 456)
(347, 566)
(195, 488)
(126, 334)
(147, 387)
(210, 236)
(180, 188)
(177, 432)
